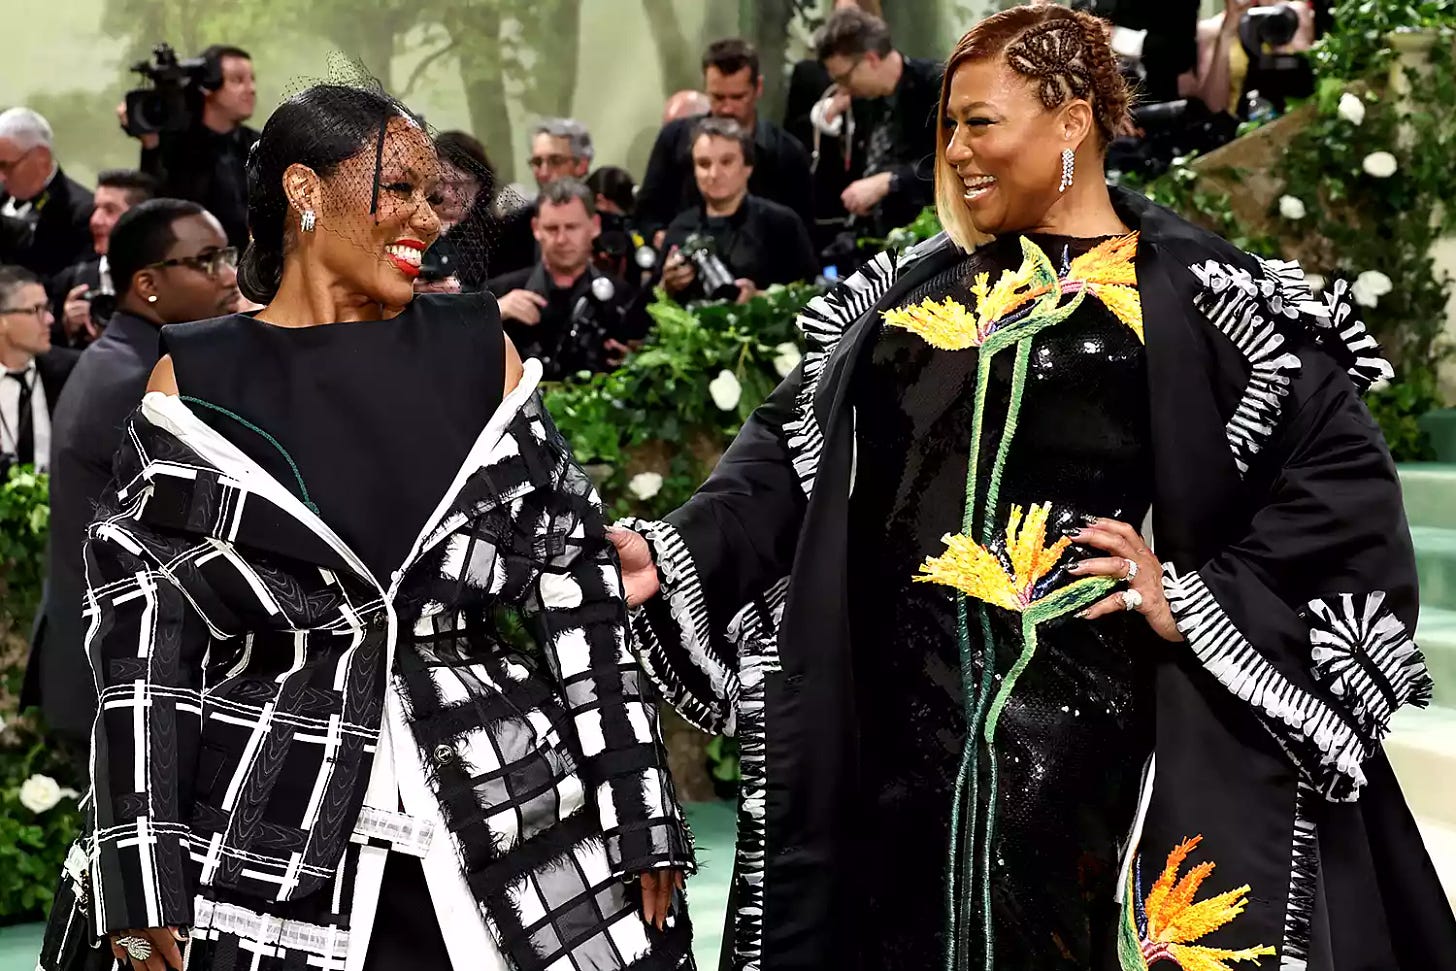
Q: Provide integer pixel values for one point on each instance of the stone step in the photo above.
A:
(1422, 749)
(1436, 637)
(1436, 564)
(1430, 494)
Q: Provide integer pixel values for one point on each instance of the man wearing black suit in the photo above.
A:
(734, 85)
(34, 374)
(171, 263)
(44, 215)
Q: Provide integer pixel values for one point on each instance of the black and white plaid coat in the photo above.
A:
(266, 709)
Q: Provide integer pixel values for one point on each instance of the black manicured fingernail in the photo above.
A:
(1072, 531)
(1075, 567)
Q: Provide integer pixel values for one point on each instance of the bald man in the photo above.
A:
(685, 104)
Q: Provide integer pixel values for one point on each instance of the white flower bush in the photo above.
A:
(40, 793)
(1352, 109)
(1369, 287)
(1315, 282)
(1380, 165)
(786, 358)
(725, 390)
(645, 485)
(1292, 208)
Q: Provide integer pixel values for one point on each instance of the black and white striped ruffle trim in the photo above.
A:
(1236, 303)
(687, 647)
(1364, 656)
(755, 630)
(1303, 884)
(1322, 740)
(823, 322)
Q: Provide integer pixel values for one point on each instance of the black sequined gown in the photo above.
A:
(1074, 737)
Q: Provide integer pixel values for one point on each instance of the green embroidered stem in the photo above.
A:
(298, 476)
(1013, 413)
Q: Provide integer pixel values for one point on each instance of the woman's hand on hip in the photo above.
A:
(639, 573)
(1130, 560)
(149, 949)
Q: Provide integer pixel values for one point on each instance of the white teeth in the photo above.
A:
(409, 254)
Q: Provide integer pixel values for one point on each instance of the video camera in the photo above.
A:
(169, 104)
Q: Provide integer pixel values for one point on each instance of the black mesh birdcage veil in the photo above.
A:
(380, 189)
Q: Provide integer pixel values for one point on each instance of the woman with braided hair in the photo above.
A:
(1062, 596)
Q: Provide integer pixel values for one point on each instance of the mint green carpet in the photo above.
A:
(712, 824)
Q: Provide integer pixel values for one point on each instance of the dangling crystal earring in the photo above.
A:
(1069, 163)
(308, 221)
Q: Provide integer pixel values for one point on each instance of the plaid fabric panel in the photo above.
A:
(221, 757)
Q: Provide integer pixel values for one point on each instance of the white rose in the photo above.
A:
(645, 485)
(1352, 109)
(1369, 287)
(39, 793)
(1381, 165)
(725, 390)
(1314, 281)
(1380, 384)
(786, 358)
(1291, 207)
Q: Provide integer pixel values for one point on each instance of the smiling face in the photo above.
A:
(1004, 148)
(372, 257)
(238, 95)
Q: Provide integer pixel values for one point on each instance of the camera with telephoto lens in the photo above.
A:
(103, 305)
(1276, 76)
(717, 282)
(169, 104)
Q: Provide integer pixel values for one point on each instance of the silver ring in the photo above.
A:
(1132, 569)
(1131, 600)
(137, 948)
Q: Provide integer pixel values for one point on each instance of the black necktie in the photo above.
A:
(24, 429)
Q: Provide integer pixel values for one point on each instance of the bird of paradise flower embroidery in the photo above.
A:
(1169, 920)
(1105, 272)
(980, 573)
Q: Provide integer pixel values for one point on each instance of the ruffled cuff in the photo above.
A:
(673, 637)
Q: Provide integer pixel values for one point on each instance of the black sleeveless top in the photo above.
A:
(378, 416)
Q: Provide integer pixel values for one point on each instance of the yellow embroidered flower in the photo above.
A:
(1109, 273)
(1015, 289)
(1173, 919)
(947, 325)
(977, 572)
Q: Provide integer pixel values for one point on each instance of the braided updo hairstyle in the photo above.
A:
(319, 127)
(1065, 54)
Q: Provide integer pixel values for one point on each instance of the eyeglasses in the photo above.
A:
(843, 79)
(38, 311)
(212, 262)
(548, 161)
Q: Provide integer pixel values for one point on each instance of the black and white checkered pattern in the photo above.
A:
(241, 655)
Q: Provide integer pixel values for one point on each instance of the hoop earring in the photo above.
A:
(1069, 164)
(308, 221)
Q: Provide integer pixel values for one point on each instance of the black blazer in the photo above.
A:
(104, 387)
(54, 368)
(62, 231)
(780, 174)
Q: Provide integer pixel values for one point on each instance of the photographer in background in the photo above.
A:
(734, 84)
(43, 214)
(1228, 73)
(1159, 34)
(883, 111)
(733, 243)
(206, 163)
(82, 297)
(563, 310)
(561, 148)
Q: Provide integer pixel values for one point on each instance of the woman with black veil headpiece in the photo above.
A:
(316, 746)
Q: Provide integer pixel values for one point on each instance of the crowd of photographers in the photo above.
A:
(731, 201)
